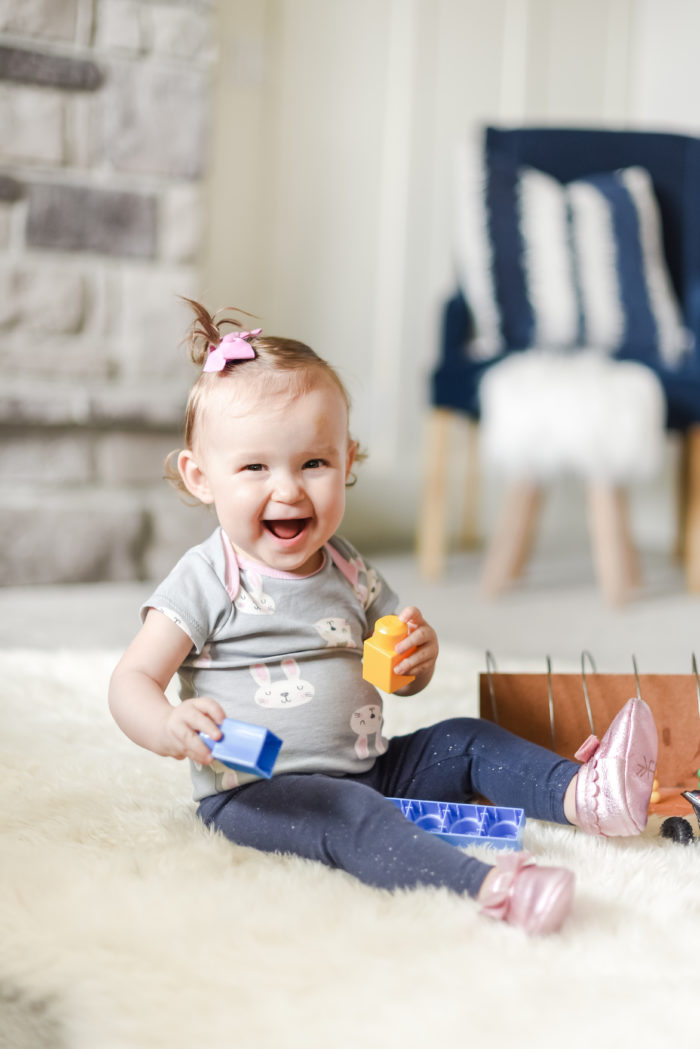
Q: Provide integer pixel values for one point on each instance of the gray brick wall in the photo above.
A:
(104, 108)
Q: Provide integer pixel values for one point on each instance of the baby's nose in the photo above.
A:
(288, 488)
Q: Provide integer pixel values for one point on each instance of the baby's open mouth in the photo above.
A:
(287, 529)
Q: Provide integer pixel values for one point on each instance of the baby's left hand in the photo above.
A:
(423, 639)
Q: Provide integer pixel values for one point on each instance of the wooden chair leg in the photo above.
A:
(432, 526)
(512, 540)
(681, 493)
(691, 529)
(469, 537)
(614, 554)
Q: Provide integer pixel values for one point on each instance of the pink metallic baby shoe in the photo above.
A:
(614, 786)
(538, 899)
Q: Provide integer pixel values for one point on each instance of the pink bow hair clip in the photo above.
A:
(233, 347)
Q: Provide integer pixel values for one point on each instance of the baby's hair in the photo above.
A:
(301, 366)
(205, 330)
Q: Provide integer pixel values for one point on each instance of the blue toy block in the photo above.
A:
(248, 748)
(500, 828)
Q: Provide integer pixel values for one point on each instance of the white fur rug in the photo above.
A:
(124, 923)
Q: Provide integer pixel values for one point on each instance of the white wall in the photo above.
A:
(329, 204)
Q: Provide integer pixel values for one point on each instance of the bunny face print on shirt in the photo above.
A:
(366, 722)
(253, 600)
(336, 632)
(291, 691)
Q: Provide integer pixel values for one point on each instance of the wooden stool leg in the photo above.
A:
(512, 540)
(681, 494)
(614, 555)
(691, 527)
(469, 537)
(432, 526)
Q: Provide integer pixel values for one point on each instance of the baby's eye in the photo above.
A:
(314, 464)
(254, 467)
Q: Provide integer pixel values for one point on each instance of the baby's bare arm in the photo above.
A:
(137, 697)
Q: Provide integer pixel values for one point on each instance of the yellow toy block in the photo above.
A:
(379, 657)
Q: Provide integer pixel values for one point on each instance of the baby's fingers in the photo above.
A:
(417, 638)
(203, 730)
(412, 617)
(186, 723)
(419, 651)
(212, 711)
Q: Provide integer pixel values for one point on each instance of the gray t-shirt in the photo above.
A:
(282, 651)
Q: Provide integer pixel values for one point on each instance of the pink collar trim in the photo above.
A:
(348, 569)
(235, 562)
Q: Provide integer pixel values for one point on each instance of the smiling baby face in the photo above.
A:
(274, 466)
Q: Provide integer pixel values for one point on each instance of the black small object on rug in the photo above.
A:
(677, 829)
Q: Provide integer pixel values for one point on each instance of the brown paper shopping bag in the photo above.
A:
(551, 709)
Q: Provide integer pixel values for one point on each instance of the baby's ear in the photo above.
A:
(351, 456)
(194, 478)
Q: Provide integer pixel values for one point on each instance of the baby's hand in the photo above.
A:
(183, 725)
(423, 638)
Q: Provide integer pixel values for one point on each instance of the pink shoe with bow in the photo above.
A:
(537, 899)
(614, 785)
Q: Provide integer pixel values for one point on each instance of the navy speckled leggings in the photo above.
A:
(346, 821)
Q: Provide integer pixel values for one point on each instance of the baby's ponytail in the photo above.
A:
(205, 330)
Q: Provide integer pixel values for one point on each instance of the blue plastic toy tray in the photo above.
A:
(249, 748)
(466, 824)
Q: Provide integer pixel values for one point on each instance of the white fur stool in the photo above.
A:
(544, 415)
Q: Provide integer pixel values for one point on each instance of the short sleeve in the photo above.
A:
(193, 596)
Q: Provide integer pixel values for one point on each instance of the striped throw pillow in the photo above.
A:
(559, 266)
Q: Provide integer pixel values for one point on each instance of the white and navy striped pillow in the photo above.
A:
(559, 266)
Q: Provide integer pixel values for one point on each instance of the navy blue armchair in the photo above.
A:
(673, 162)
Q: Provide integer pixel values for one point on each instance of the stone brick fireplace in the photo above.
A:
(104, 110)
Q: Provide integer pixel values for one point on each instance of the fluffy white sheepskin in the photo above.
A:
(545, 414)
(125, 924)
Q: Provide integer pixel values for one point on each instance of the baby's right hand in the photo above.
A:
(183, 725)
